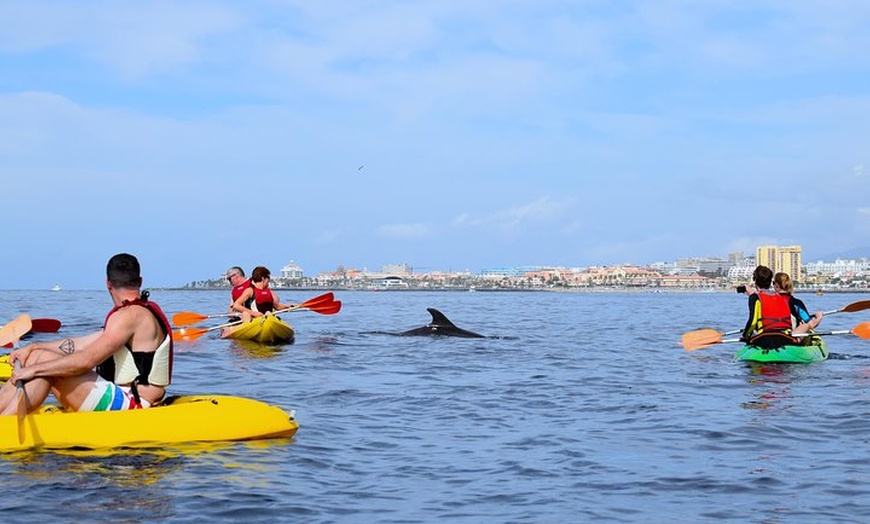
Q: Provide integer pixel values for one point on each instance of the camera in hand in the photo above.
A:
(741, 289)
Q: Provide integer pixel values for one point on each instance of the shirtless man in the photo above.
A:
(126, 365)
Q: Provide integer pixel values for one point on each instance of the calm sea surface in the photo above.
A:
(580, 408)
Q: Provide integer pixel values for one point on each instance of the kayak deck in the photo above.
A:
(267, 329)
(816, 351)
(184, 419)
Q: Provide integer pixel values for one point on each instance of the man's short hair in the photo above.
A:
(123, 271)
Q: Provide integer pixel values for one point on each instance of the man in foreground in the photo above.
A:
(126, 365)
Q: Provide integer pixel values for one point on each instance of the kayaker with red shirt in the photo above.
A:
(264, 299)
(236, 278)
(126, 365)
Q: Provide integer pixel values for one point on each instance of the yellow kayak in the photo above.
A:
(5, 368)
(267, 329)
(185, 419)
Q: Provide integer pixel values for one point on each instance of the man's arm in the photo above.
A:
(85, 357)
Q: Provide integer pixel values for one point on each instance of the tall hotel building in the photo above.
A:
(781, 258)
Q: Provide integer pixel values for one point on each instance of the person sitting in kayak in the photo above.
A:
(126, 365)
(769, 324)
(802, 321)
(236, 278)
(264, 299)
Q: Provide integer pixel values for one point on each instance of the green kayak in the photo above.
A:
(815, 351)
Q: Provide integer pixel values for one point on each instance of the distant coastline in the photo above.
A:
(651, 291)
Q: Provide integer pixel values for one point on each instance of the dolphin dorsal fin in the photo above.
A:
(438, 318)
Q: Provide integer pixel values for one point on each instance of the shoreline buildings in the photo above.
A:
(691, 273)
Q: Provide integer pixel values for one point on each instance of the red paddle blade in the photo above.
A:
(185, 318)
(327, 309)
(326, 298)
(45, 325)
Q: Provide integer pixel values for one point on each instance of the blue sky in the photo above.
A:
(448, 135)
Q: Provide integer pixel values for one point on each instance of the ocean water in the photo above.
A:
(578, 407)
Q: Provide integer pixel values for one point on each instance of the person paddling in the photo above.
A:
(264, 299)
(236, 278)
(802, 322)
(769, 325)
(132, 354)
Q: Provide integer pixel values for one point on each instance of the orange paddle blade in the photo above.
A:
(701, 338)
(188, 334)
(862, 330)
(185, 318)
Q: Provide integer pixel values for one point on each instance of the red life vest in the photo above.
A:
(106, 369)
(775, 312)
(264, 300)
(238, 290)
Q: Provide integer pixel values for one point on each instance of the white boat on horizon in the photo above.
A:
(55, 287)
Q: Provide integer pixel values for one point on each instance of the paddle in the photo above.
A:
(14, 330)
(324, 309)
(701, 338)
(323, 304)
(45, 325)
(704, 337)
(191, 334)
(21, 399)
(39, 325)
(861, 305)
(862, 330)
(10, 333)
(185, 318)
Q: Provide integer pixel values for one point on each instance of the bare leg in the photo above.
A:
(36, 390)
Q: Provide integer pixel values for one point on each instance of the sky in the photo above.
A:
(446, 135)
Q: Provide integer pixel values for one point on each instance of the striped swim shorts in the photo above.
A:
(108, 396)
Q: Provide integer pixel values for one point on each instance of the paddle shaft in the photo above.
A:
(313, 304)
(21, 401)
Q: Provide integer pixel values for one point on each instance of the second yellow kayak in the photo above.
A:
(267, 329)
